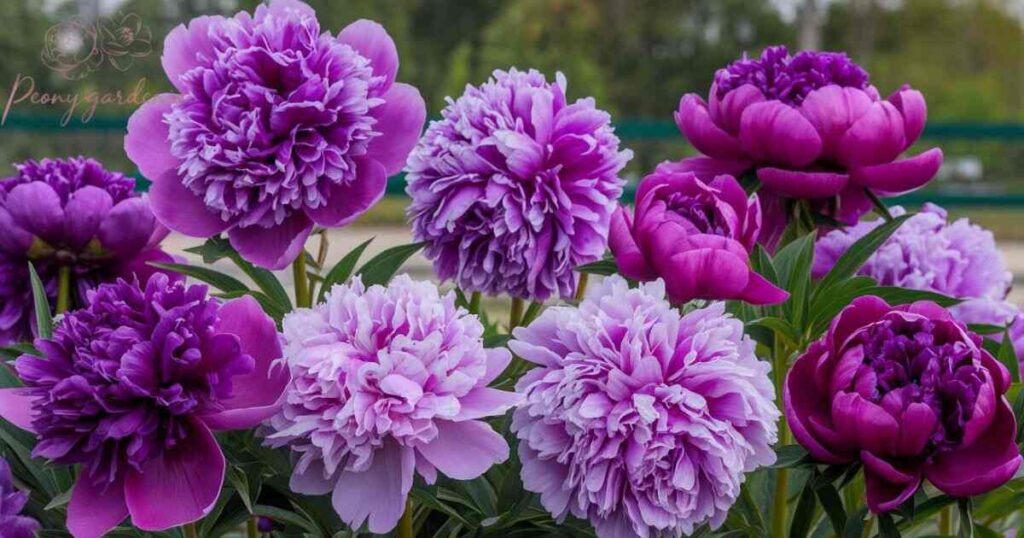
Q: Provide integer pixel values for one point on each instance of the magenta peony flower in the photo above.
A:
(696, 236)
(812, 127)
(74, 214)
(277, 127)
(908, 392)
(12, 501)
(513, 188)
(385, 381)
(639, 419)
(131, 388)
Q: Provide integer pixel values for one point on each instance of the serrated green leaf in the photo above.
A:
(216, 279)
(44, 319)
(854, 258)
(382, 267)
(342, 270)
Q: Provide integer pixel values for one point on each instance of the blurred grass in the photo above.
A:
(390, 211)
(1006, 224)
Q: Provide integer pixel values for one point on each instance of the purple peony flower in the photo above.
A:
(514, 187)
(12, 501)
(696, 236)
(387, 381)
(69, 214)
(131, 388)
(812, 127)
(639, 419)
(277, 127)
(910, 394)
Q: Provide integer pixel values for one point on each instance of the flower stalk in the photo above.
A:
(63, 289)
(302, 295)
(405, 529)
(780, 508)
(515, 315)
(252, 529)
(879, 205)
(189, 530)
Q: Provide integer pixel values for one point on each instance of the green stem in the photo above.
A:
(63, 289)
(532, 312)
(302, 297)
(190, 531)
(252, 528)
(405, 524)
(945, 522)
(879, 206)
(474, 302)
(515, 315)
(780, 508)
(581, 286)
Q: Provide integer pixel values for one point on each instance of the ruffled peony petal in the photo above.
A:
(465, 450)
(85, 210)
(898, 177)
(803, 400)
(181, 210)
(372, 41)
(627, 254)
(875, 138)
(912, 106)
(694, 121)
(886, 486)
(485, 402)
(147, 142)
(37, 208)
(186, 47)
(801, 184)
(728, 112)
(272, 248)
(706, 274)
(94, 510)
(778, 134)
(344, 203)
(760, 291)
(256, 396)
(400, 122)
(180, 486)
(16, 407)
(832, 110)
(377, 494)
(988, 463)
(863, 423)
(862, 311)
(311, 479)
(916, 427)
(127, 228)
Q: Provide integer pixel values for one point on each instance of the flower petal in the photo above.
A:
(778, 134)
(627, 254)
(372, 41)
(181, 210)
(147, 141)
(465, 450)
(95, 510)
(400, 121)
(912, 106)
(485, 402)
(986, 464)
(760, 291)
(705, 168)
(802, 185)
(832, 110)
(16, 407)
(875, 138)
(378, 493)
(901, 176)
(694, 121)
(802, 399)
(179, 487)
(85, 210)
(728, 112)
(705, 273)
(272, 248)
(886, 486)
(37, 208)
(344, 203)
(186, 47)
(128, 227)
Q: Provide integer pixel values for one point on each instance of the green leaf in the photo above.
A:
(270, 307)
(803, 517)
(240, 481)
(985, 329)
(854, 258)
(833, 506)
(284, 516)
(44, 320)
(781, 328)
(600, 267)
(60, 500)
(217, 248)
(790, 456)
(855, 524)
(966, 521)
(825, 306)
(342, 270)
(897, 296)
(794, 265)
(14, 351)
(1008, 356)
(216, 279)
(382, 267)
(886, 527)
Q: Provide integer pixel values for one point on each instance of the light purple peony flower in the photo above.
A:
(514, 187)
(639, 419)
(812, 127)
(276, 127)
(132, 386)
(959, 259)
(387, 381)
(74, 214)
(12, 501)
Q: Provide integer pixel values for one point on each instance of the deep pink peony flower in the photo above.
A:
(277, 127)
(12, 501)
(908, 392)
(813, 128)
(132, 386)
(696, 236)
(387, 382)
(638, 419)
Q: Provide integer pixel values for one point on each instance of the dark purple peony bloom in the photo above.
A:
(277, 127)
(73, 214)
(132, 386)
(514, 187)
(812, 127)
(12, 501)
(696, 236)
(910, 394)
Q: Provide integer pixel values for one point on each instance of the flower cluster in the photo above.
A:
(387, 382)
(639, 419)
(12, 501)
(514, 187)
(132, 386)
(910, 394)
(75, 216)
(812, 127)
(277, 126)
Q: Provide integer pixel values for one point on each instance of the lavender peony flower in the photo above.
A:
(995, 312)
(71, 214)
(812, 127)
(910, 394)
(514, 187)
(638, 419)
(131, 388)
(12, 501)
(277, 127)
(385, 381)
(696, 236)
